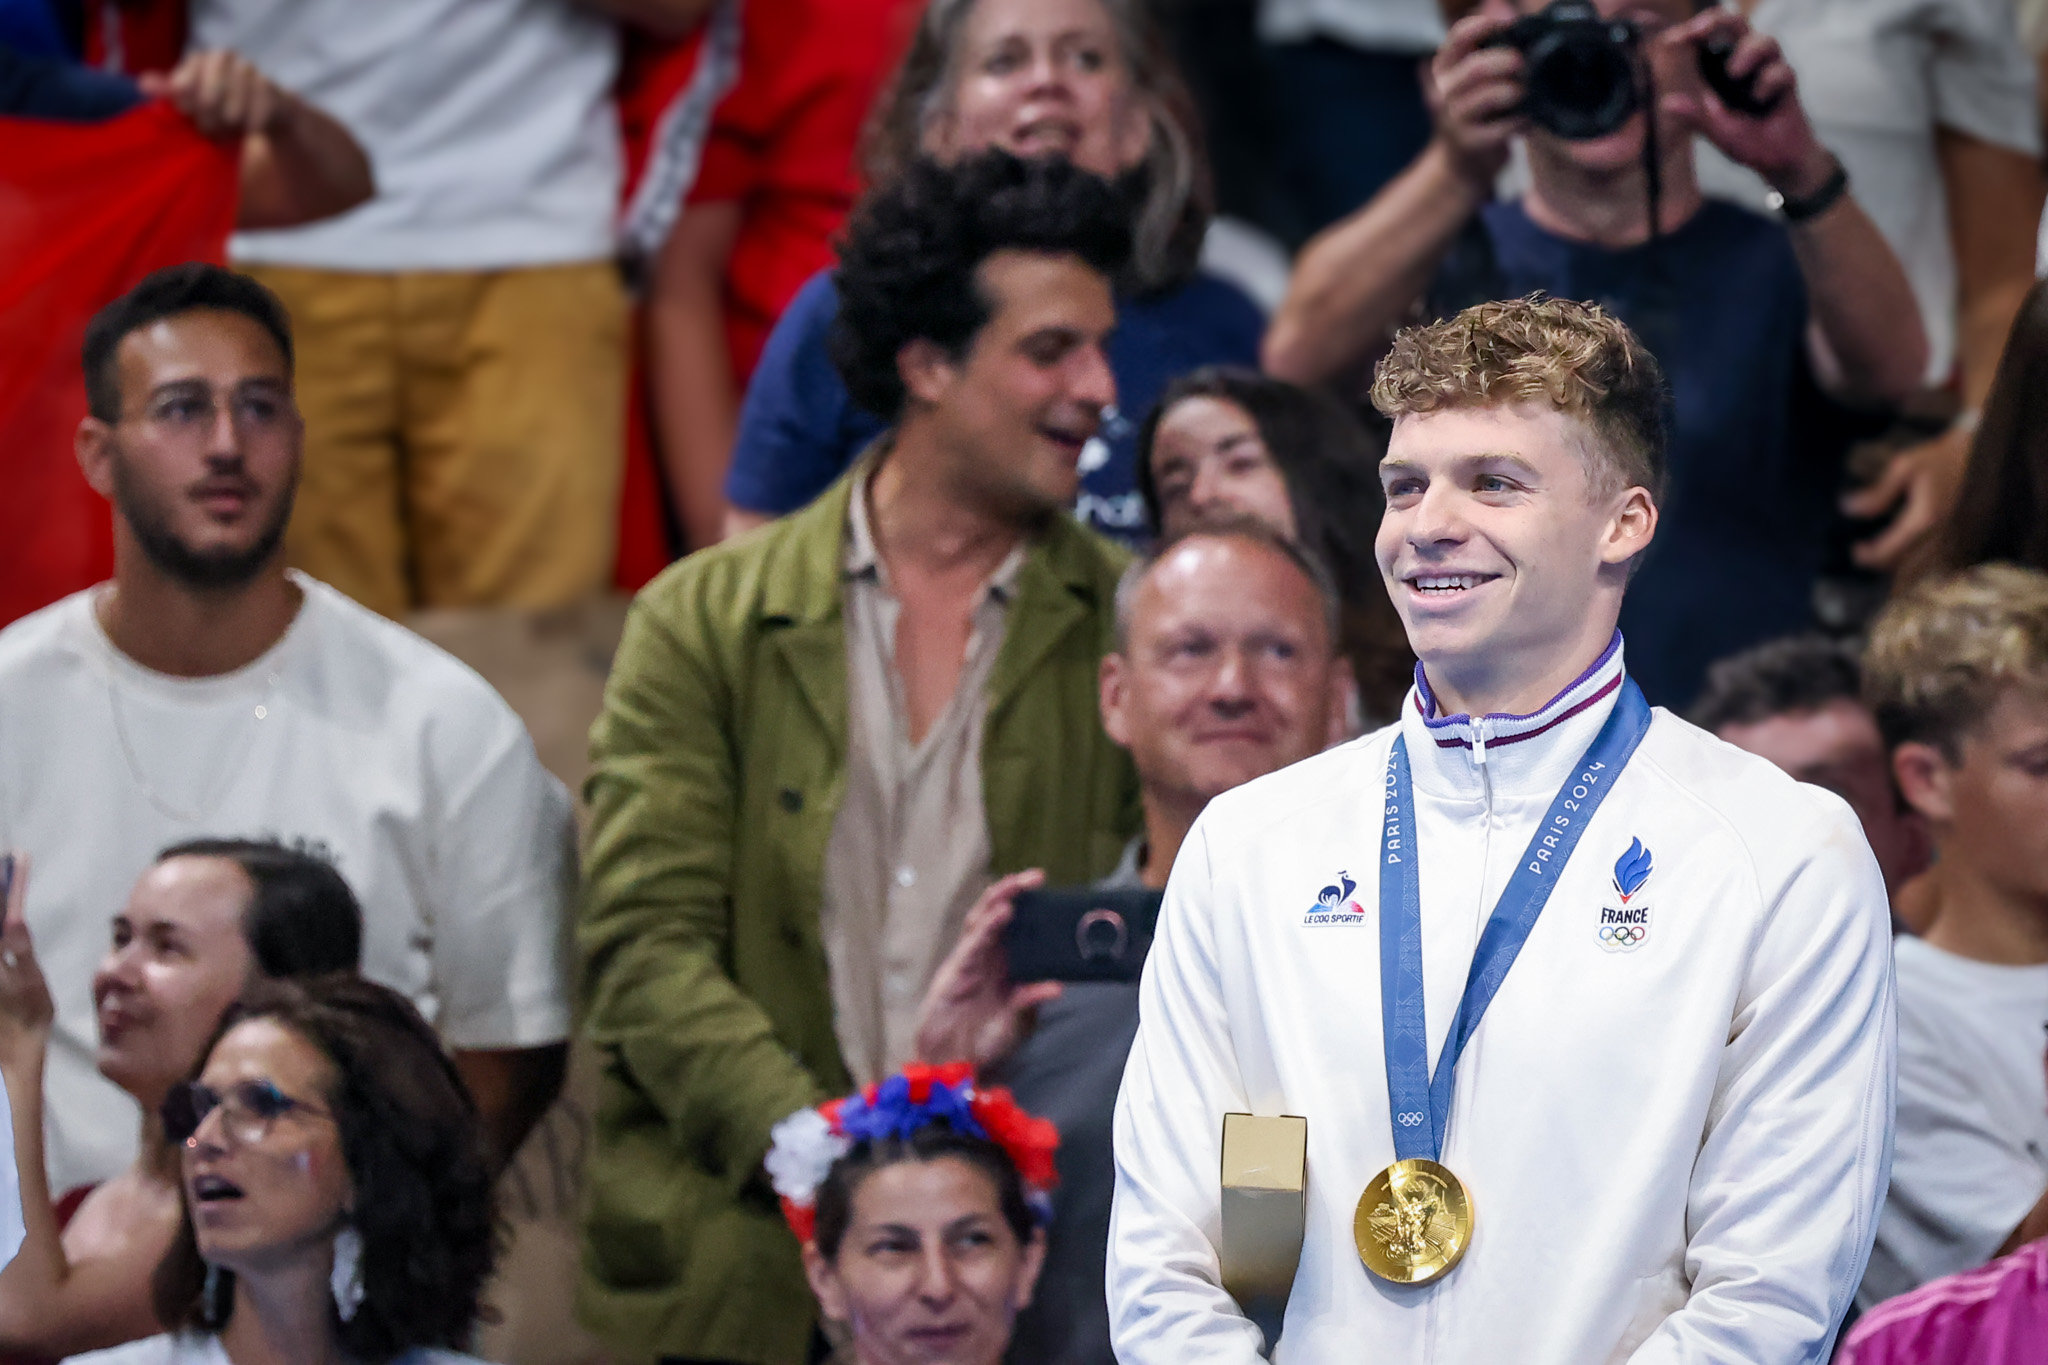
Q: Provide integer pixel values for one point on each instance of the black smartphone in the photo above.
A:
(1079, 934)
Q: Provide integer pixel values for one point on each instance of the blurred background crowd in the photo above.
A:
(969, 397)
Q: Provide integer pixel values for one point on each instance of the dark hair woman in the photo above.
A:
(921, 1205)
(1227, 440)
(335, 1192)
(1088, 81)
(2002, 510)
(210, 917)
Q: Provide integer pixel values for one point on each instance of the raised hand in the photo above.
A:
(973, 1012)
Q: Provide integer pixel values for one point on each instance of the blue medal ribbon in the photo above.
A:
(1421, 1104)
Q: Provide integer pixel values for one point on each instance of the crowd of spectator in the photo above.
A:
(1008, 531)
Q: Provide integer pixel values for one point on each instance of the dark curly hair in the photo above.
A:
(415, 1152)
(929, 1143)
(908, 265)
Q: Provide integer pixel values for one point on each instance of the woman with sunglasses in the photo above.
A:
(336, 1199)
(208, 918)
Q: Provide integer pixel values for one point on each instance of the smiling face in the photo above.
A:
(1043, 78)
(177, 962)
(929, 1271)
(204, 458)
(1229, 671)
(1501, 551)
(1208, 459)
(1012, 414)
(266, 1194)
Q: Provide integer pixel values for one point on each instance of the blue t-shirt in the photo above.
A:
(1743, 526)
(799, 428)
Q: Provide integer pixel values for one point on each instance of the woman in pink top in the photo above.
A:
(1993, 1315)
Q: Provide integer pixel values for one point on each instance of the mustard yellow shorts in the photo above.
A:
(464, 432)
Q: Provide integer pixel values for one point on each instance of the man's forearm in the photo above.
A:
(513, 1088)
(305, 167)
(1862, 303)
(1356, 281)
(1994, 206)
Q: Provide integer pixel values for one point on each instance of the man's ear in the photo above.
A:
(1632, 527)
(94, 446)
(927, 370)
(1924, 775)
(1112, 690)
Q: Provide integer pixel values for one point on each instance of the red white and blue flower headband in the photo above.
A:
(804, 1146)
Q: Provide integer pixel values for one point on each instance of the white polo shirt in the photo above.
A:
(489, 125)
(351, 736)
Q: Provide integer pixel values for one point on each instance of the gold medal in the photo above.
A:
(1414, 1221)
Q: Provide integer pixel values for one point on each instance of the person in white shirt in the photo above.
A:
(1667, 1137)
(463, 332)
(1957, 672)
(207, 691)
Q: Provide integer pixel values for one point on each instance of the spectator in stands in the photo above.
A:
(210, 917)
(208, 689)
(463, 334)
(1799, 703)
(298, 164)
(1995, 1315)
(1086, 80)
(1225, 669)
(1349, 115)
(1930, 105)
(1958, 675)
(2002, 511)
(921, 1204)
(818, 744)
(778, 175)
(336, 1197)
(1821, 299)
(1226, 440)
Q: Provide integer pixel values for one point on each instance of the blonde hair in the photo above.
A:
(1171, 214)
(1577, 357)
(1942, 651)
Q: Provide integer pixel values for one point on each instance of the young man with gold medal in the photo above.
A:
(1585, 1079)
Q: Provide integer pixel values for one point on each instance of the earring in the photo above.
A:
(216, 1297)
(346, 1280)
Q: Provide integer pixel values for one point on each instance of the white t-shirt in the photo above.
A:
(12, 1230)
(1877, 78)
(1375, 25)
(489, 124)
(1971, 1155)
(188, 1348)
(352, 736)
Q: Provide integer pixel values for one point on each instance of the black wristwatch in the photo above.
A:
(1806, 208)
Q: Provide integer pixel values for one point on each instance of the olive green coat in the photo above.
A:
(719, 764)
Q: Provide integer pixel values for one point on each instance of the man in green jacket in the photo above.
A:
(820, 742)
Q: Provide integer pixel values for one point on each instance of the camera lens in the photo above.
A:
(1581, 80)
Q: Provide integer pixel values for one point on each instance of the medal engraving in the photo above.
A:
(1414, 1222)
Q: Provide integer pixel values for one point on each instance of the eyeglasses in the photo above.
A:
(247, 1110)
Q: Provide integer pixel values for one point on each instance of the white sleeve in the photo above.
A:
(1784, 1197)
(504, 876)
(1166, 1300)
(12, 1230)
(1959, 1184)
(1983, 77)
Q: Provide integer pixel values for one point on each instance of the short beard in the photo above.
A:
(201, 570)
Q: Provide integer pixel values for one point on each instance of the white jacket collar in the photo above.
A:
(1520, 755)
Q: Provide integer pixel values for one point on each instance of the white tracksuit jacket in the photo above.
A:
(1675, 1148)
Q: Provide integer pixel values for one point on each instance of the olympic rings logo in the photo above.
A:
(1624, 935)
(1408, 1120)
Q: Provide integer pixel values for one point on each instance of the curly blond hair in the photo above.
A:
(1943, 651)
(1577, 357)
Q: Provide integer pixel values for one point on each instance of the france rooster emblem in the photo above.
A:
(1334, 904)
(1625, 928)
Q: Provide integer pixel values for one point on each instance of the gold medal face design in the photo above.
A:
(1414, 1221)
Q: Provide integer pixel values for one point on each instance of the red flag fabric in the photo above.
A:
(86, 210)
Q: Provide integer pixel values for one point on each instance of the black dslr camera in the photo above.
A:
(1583, 75)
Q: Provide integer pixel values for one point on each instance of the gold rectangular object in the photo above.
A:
(1265, 1204)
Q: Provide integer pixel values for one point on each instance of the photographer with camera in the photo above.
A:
(1753, 319)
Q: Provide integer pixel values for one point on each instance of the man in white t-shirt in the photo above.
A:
(1958, 674)
(462, 335)
(206, 690)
